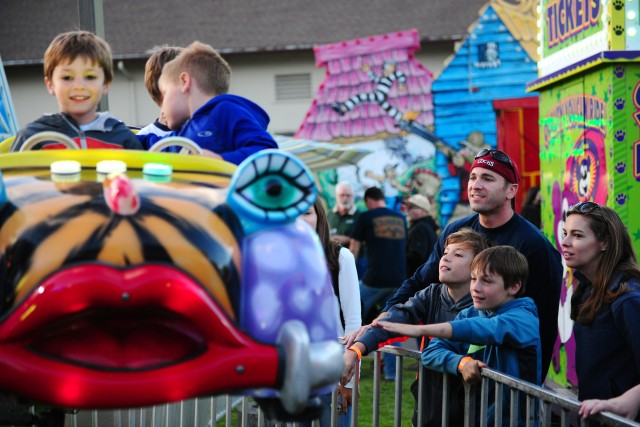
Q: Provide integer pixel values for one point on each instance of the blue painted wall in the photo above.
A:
(464, 92)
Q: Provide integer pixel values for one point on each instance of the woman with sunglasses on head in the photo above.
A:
(605, 306)
(344, 278)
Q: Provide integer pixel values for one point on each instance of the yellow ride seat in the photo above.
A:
(5, 145)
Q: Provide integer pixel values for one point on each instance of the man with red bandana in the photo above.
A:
(493, 184)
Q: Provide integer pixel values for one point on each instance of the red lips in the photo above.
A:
(94, 336)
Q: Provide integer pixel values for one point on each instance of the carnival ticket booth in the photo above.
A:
(589, 91)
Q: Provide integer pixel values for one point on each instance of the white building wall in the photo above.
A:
(253, 77)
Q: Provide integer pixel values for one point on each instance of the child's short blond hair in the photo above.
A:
(160, 55)
(205, 65)
(506, 262)
(68, 46)
(467, 237)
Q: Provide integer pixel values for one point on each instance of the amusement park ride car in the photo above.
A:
(155, 277)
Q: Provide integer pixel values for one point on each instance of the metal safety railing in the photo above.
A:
(542, 406)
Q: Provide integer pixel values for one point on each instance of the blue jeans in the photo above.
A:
(371, 296)
(344, 420)
(361, 266)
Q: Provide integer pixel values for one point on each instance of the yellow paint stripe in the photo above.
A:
(51, 253)
(190, 259)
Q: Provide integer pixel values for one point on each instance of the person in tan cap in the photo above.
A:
(423, 231)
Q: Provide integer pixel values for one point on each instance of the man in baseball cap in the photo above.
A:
(499, 162)
(423, 231)
(420, 201)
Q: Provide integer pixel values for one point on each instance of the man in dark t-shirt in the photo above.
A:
(384, 233)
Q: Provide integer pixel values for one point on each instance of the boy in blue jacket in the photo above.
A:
(500, 331)
(195, 105)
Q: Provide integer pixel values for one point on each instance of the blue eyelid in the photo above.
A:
(270, 188)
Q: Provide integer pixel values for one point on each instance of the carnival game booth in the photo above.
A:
(131, 278)
(589, 127)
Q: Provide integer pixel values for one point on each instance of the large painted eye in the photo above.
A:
(271, 186)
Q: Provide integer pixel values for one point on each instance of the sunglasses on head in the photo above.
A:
(584, 207)
(500, 156)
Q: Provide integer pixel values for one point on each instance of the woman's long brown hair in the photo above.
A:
(330, 247)
(618, 258)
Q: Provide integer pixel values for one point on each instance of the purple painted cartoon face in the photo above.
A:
(586, 171)
(269, 301)
(584, 176)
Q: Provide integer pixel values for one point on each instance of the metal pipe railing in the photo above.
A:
(539, 404)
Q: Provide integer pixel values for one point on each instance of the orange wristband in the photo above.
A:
(357, 351)
(463, 362)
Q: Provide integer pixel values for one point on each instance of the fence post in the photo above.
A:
(355, 396)
(469, 404)
(445, 394)
(376, 389)
(398, 392)
(499, 400)
(484, 402)
(515, 405)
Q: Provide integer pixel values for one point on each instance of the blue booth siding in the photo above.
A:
(489, 65)
(8, 121)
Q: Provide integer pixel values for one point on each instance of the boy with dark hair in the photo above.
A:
(78, 70)
(438, 302)
(160, 55)
(196, 105)
(500, 331)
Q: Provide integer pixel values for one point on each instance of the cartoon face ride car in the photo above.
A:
(179, 277)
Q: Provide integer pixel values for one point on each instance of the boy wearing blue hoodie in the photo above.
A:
(500, 331)
(195, 105)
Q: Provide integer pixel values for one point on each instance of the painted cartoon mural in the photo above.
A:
(383, 83)
(587, 143)
(589, 134)
(373, 85)
(377, 95)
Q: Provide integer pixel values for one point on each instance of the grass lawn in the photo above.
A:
(387, 395)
